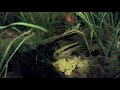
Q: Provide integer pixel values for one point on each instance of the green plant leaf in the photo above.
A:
(24, 24)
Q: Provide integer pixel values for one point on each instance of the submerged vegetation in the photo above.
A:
(59, 44)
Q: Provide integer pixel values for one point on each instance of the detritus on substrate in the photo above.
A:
(35, 63)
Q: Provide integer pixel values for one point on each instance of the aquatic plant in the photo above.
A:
(7, 56)
(104, 27)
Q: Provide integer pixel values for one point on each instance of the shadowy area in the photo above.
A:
(35, 63)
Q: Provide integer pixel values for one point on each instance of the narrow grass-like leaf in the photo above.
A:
(8, 49)
(24, 24)
(16, 51)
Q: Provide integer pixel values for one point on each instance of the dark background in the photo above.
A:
(59, 5)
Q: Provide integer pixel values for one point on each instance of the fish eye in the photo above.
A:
(56, 53)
